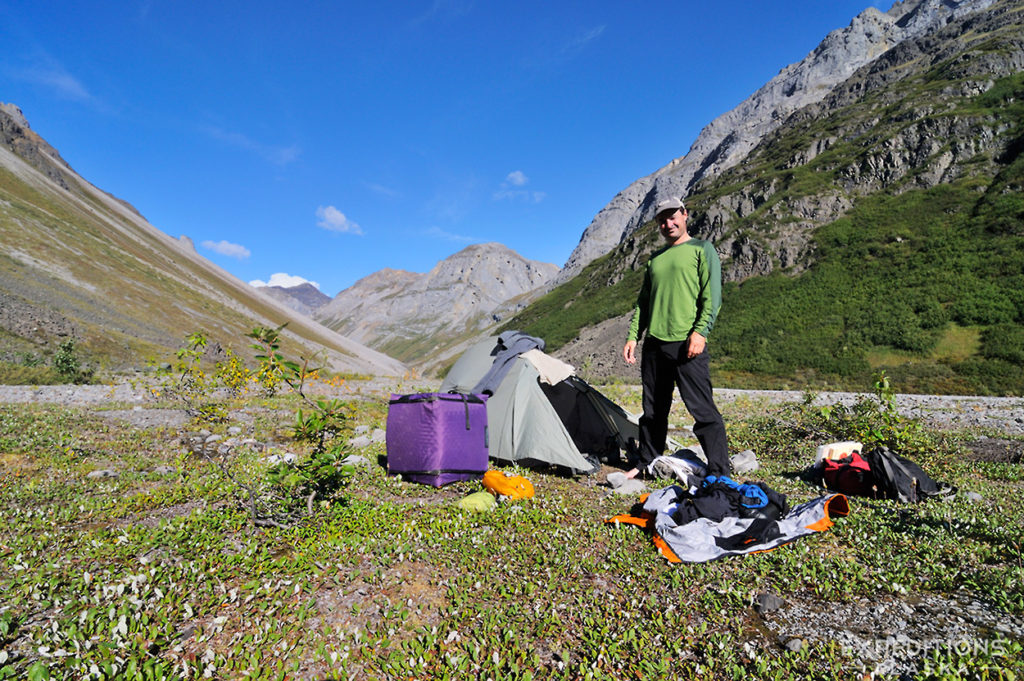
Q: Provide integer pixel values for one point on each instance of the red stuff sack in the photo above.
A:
(849, 475)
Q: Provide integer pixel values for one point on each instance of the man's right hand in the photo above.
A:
(629, 352)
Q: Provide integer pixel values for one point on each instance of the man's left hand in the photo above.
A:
(697, 345)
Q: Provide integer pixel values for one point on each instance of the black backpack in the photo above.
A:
(899, 478)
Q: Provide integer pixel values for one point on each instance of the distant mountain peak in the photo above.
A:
(410, 315)
(303, 298)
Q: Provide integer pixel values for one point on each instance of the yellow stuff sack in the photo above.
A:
(478, 501)
(513, 487)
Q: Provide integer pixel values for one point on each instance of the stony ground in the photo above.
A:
(1003, 414)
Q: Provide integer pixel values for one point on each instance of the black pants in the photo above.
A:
(664, 366)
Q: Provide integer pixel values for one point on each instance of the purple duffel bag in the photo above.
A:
(437, 438)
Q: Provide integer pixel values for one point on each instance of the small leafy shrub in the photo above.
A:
(192, 385)
(233, 374)
(878, 422)
(872, 420)
(30, 359)
(322, 475)
(323, 422)
(68, 366)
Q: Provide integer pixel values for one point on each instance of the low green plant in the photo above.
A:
(873, 419)
(192, 385)
(878, 422)
(325, 423)
(20, 374)
(67, 364)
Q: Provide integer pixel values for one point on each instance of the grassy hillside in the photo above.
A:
(79, 265)
(921, 273)
(922, 285)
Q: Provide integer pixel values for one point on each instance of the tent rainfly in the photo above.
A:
(534, 418)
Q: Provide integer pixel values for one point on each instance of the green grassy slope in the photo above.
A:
(74, 263)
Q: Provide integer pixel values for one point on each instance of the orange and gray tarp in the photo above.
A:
(703, 539)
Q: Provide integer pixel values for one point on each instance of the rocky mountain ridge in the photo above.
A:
(901, 142)
(414, 316)
(305, 298)
(79, 263)
(729, 138)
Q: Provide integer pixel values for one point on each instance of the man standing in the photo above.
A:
(677, 307)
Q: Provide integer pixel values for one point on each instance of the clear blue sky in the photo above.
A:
(328, 140)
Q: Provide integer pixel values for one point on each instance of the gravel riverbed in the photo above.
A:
(1002, 414)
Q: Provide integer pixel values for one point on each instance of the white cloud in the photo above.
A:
(279, 155)
(580, 41)
(517, 178)
(438, 233)
(63, 83)
(382, 190)
(511, 190)
(47, 72)
(227, 248)
(519, 195)
(442, 11)
(284, 281)
(332, 219)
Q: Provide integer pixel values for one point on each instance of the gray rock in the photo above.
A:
(616, 479)
(165, 470)
(360, 442)
(104, 473)
(768, 602)
(283, 457)
(630, 487)
(378, 435)
(745, 462)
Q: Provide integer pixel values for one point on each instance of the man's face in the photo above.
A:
(673, 226)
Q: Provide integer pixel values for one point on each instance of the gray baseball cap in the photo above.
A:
(672, 204)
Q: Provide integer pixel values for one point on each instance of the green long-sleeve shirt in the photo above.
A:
(681, 293)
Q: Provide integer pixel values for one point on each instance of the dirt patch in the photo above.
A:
(413, 590)
(996, 450)
(597, 353)
(147, 418)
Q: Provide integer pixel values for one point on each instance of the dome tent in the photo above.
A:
(531, 422)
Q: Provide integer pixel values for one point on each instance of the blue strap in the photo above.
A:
(753, 496)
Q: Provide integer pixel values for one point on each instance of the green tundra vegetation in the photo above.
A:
(189, 566)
